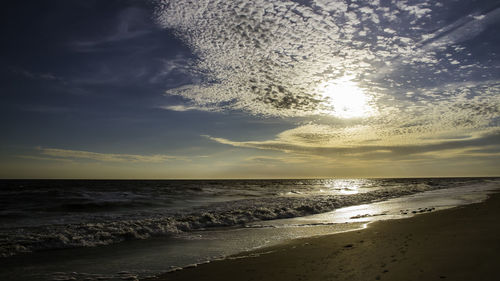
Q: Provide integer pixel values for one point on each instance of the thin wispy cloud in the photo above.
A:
(463, 29)
(183, 108)
(105, 157)
(37, 76)
(130, 23)
(313, 148)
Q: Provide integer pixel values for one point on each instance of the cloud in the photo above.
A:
(183, 108)
(38, 76)
(268, 58)
(276, 161)
(472, 112)
(130, 23)
(461, 30)
(105, 157)
(38, 158)
(174, 72)
(424, 90)
(271, 58)
(296, 142)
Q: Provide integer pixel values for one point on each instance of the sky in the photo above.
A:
(204, 89)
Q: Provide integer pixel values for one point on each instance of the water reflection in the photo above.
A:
(396, 208)
(345, 186)
(360, 213)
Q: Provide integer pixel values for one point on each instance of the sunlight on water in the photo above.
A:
(345, 186)
(360, 213)
(266, 219)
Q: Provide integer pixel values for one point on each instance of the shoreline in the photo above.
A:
(456, 244)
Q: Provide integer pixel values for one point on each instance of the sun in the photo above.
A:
(344, 99)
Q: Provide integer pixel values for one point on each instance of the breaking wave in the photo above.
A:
(15, 240)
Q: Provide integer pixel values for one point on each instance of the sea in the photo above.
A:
(132, 229)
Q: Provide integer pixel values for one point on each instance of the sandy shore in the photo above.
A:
(456, 244)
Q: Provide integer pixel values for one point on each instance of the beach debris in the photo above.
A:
(419, 210)
(368, 215)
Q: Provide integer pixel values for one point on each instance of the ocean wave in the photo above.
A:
(222, 214)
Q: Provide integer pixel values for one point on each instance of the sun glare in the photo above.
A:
(344, 99)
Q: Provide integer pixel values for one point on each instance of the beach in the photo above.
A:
(456, 244)
(288, 229)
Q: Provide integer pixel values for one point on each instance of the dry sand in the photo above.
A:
(456, 244)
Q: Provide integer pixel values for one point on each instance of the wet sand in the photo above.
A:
(456, 244)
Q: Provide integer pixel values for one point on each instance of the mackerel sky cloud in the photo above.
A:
(420, 65)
